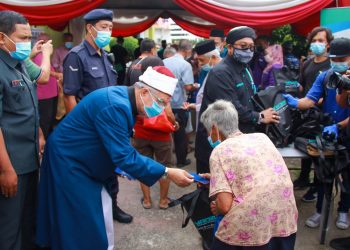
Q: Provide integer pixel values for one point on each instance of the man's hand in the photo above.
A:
(47, 47)
(291, 101)
(8, 182)
(180, 177)
(187, 106)
(42, 143)
(270, 116)
(36, 48)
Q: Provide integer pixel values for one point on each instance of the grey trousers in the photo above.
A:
(18, 214)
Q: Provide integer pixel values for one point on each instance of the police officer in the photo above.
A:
(232, 80)
(87, 68)
(19, 133)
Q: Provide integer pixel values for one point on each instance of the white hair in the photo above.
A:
(214, 52)
(169, 52)
(223, 115)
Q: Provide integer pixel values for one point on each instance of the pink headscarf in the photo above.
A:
(275, 53)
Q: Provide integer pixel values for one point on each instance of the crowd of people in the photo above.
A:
(77, 113)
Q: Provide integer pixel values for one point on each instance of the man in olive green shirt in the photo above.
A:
(19, 130)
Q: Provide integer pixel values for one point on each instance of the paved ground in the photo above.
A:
(161, 229)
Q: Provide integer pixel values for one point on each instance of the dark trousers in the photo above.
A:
(112, 186)
(17, 215)
(277, 243)
(343, 205)
(202, 166)
(47, 112)
(305, 169)
(180, 139)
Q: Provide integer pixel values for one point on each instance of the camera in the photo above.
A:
(338, 81)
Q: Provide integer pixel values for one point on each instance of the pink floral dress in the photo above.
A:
(250, 167)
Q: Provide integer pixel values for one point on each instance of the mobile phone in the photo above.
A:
(199, 179)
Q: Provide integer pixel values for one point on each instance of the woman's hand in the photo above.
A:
(206, 176)
(213, 209)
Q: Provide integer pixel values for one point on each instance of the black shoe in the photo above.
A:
(181, 165)
(311, 195)
(340, 243)
(120, 216)
(300, 183)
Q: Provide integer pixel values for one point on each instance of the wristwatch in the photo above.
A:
(165, 175)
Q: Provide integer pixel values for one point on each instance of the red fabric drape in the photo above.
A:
(57, 14)
(344, 3)
(266, 20)
(132, 29)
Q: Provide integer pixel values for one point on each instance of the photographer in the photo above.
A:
(343, 99)
(325, 87)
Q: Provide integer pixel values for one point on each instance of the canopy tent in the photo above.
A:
(195, 16)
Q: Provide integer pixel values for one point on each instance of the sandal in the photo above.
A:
(144, 205)
(167, 206)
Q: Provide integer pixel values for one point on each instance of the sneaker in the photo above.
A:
(310, 196)
(314, 220)
(342, 221)
(300, 183)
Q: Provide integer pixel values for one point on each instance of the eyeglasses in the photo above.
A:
(160, 101)
(244, 46)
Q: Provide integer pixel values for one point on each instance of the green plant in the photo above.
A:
(285, 34)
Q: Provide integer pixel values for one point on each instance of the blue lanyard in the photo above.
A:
(251, 81)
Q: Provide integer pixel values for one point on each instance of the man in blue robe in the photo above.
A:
(74, 209)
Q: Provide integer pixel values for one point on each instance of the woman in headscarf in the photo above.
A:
(274, 59)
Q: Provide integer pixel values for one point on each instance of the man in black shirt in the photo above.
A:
(120, 54)
(232, 80)
(147, 48)
(318, 40)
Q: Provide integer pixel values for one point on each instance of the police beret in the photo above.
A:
(339, 47)
(238, 33)
(204, 47)
(217, 33)
(99, 14)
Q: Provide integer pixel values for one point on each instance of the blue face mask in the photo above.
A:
(68, 45)
(154, 110)
(213, 144)
(318, 48)
(206, 67)
(22, 52)
(103, 38)
(339, 67)
(243, 55)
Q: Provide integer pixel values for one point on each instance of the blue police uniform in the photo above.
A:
(84, 71)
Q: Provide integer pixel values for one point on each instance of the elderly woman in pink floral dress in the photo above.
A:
(250, 185)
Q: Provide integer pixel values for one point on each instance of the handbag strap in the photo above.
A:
(191, 209)
(184, 198)
(187, 197)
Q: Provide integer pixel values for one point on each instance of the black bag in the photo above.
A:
(287, 79)
(308, 123)
(272, 97)
(197, 205)
(333, 167)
